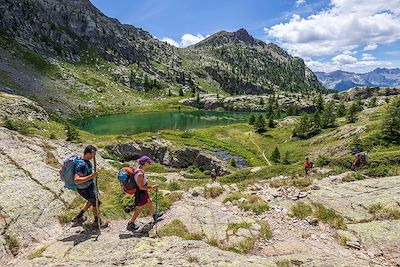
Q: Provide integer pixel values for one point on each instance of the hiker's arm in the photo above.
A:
(83, 179)
(140, 183)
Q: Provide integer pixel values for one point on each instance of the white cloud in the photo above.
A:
(170, 41)
(367, 56)
(370, 47)
(344, 59)
(186, 40)
(348, 63)
(300, 2)
(345, 25)
(190, 39)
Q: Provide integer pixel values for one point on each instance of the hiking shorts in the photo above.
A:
(141, 198)
(88, 194)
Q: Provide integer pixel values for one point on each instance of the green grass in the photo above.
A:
(177, 228)
(302, 210)
(12, 244)
(252, 203)
(36, 253)
(236, 226)
(212, 191)
(379, 212)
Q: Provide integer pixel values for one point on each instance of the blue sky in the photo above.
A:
(353, 35)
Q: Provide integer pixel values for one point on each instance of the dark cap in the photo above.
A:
(145, 159)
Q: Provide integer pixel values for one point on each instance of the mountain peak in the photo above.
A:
(223, 37)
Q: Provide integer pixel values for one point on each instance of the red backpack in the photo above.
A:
(126, 177)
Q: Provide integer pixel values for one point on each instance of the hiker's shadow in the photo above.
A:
(86, 234)
(143, 232)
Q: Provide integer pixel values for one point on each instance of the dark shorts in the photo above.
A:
(141, 197)
(88, 194)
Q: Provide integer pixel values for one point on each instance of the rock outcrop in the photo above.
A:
(20, 107)
(246, 103)
(165, 153)
(32, 195)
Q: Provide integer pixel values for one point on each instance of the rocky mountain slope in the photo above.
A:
(342, 80)
(75, 53)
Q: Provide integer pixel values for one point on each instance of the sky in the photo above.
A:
(349, 35)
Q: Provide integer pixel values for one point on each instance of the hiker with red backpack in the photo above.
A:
(134, 181)
(77, 173)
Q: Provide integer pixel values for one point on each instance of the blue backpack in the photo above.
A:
(67, 171)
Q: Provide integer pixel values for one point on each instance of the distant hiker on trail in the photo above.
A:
(360, 158)
(213, 175)
(84, 176)
(307, 166)
(142, 196)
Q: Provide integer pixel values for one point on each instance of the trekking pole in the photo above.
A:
(156, 209)
(97, 196)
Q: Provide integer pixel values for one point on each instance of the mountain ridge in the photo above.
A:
(343, 80)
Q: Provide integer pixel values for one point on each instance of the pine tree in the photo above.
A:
(286, 158)
(260, 124)
(261, 101)
(72, 133)
(341, 110)
(271, 123)
(391, 124)
(328, 117)
(306, 127)
(351, 113)
(198, 97)
(276, 155)
(252, 119)
(169, 92)
(180, 91)
(359, 105)
(319, 103)
(372, 102)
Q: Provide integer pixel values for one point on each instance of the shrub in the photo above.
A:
(391, 125)
(18, 125)
(322, 160)
(233, 162)
(174, 185)
(212, 191)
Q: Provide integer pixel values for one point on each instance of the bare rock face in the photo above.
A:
(165, 153)
(116, 248)
(32, 194)
(20, 107)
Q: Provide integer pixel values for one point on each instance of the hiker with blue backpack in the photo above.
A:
(134, 182)
(77, 173)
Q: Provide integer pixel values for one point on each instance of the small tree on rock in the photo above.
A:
(72, 133)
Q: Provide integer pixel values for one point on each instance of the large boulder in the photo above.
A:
(166, 153)
(12, 106)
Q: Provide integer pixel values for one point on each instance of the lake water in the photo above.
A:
(133, 123)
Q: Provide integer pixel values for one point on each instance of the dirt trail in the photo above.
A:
(261, 151)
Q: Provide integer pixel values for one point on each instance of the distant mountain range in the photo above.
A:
(342, 80)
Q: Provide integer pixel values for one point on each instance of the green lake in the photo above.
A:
(133, 123)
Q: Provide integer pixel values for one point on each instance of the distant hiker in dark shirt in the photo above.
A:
(213, 175)
(142, 196)
(307, 166)
(84, 176)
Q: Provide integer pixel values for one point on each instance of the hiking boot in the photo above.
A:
(79, 220)
(158, 216)
(132, 226)
(103, 224)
